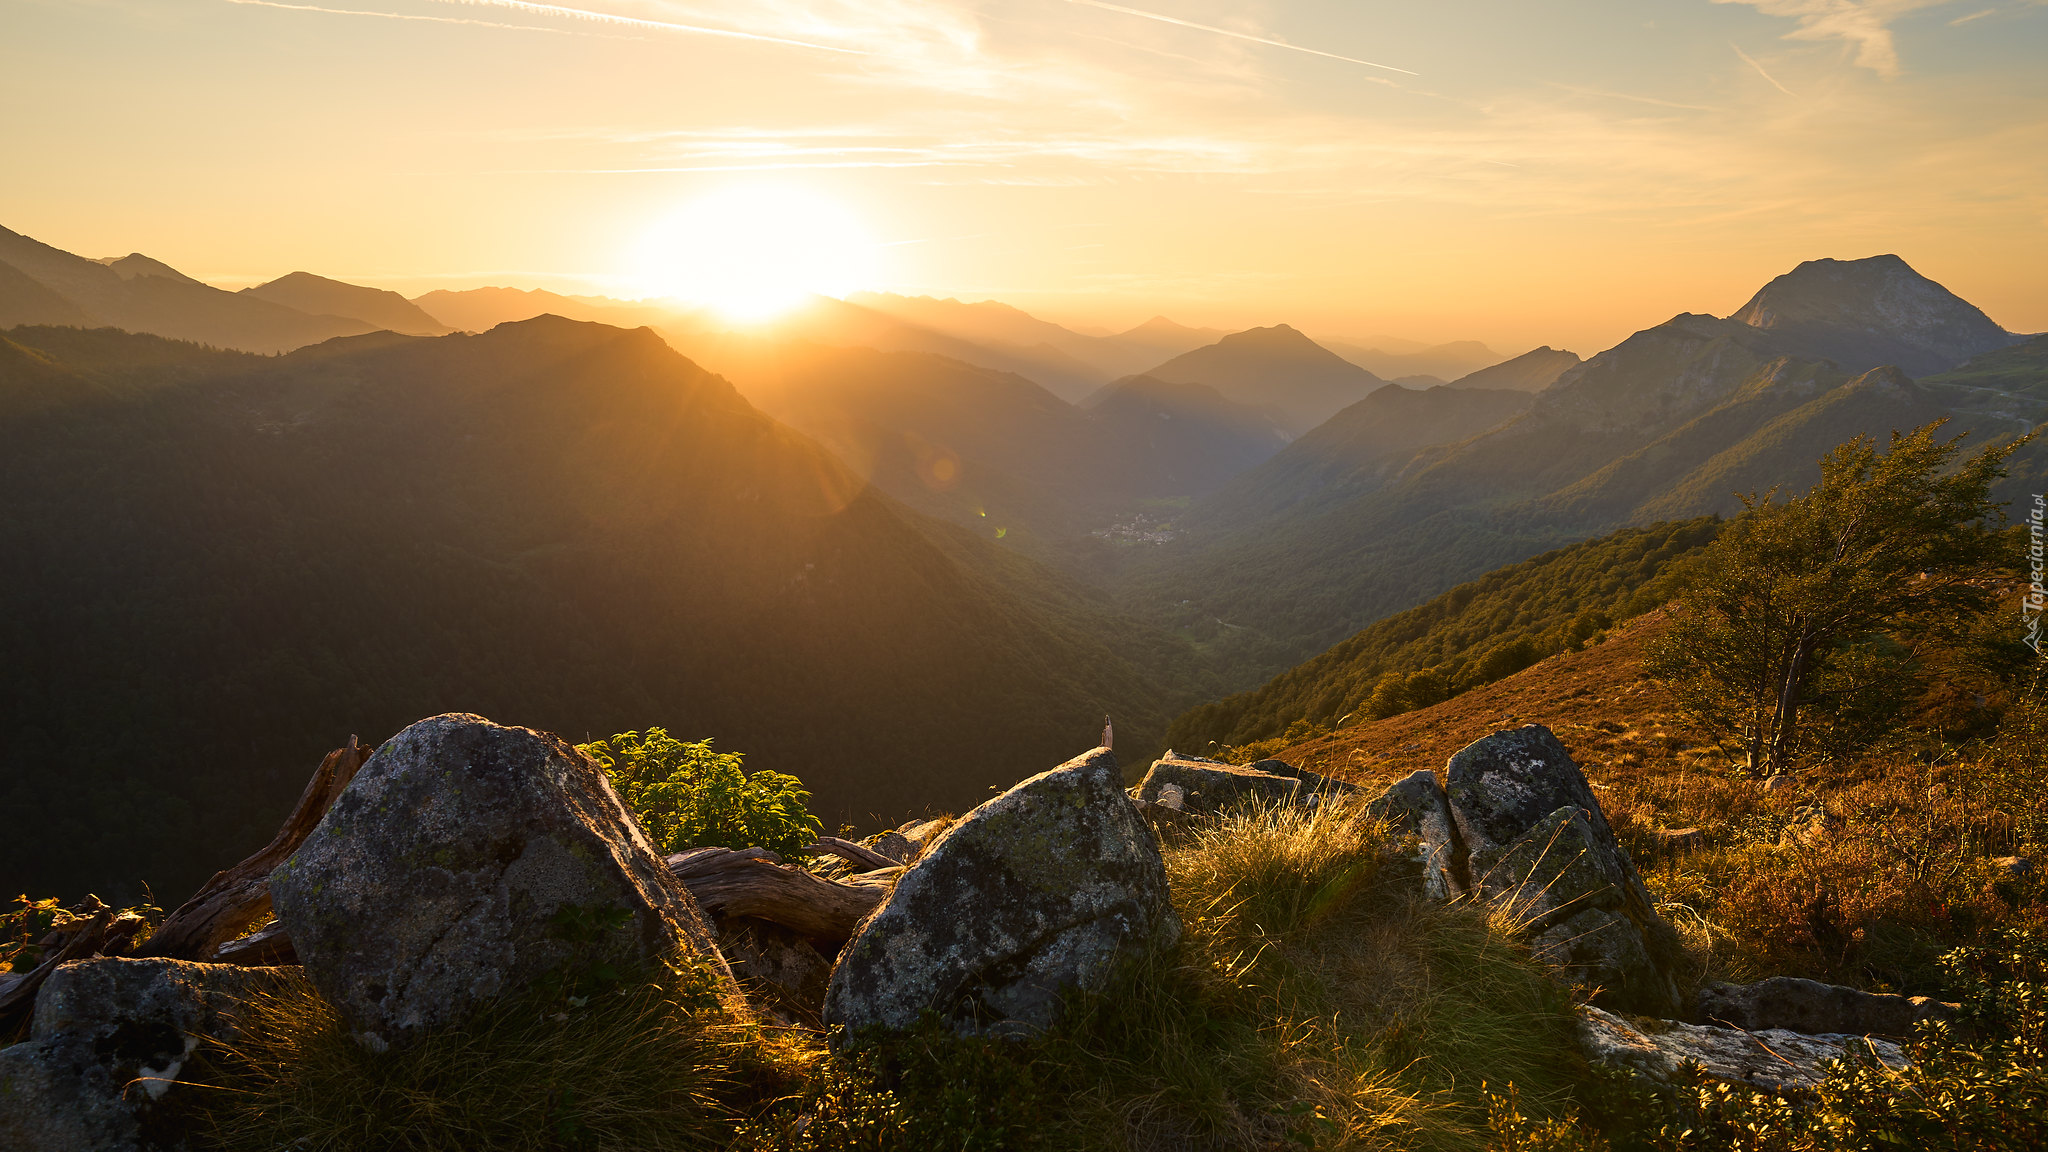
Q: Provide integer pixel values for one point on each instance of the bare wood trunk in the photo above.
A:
(853, 853)
(1785, 723)
(239, 897)
(730, 884)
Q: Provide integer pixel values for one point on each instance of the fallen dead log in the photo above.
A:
(852, 853)
(267, 947)
(226, 906)
(728, 884)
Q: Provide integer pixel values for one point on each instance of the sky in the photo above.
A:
(1512, 171)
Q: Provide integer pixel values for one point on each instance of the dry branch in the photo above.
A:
(853, 853)
(227, 905)
(728, 884)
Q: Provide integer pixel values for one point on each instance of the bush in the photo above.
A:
(688, 796)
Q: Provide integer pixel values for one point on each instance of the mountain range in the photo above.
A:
(220, 565)
(1333, 533)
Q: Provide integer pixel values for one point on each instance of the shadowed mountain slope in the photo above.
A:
(1474, 634)
(213, 581)
(139, 294)
(373, 306)
(1443, 361)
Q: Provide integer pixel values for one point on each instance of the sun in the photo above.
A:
(751, 252)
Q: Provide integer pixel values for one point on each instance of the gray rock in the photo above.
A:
(1798, 1005)
(1539, 846)
(108, 1042)
(1310, 781)
(1775, 1059)
(1048, 887)
(1209, 786)
(782, 972)
(2013, 867)
(896, 846)
(1417, 805)
(466, 861)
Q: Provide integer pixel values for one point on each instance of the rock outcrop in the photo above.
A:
(1538, 846)
(1797, 1005)
(1774, 1060)
(108, 1042)
(466, 861)
(1046, 888)
(1417, 805)
(1196, 785)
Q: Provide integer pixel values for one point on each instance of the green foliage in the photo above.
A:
(1800, 626)
(687, 796)
(1474, 634)
(24, 928)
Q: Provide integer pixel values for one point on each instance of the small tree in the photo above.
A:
(687, 796)
(1820, 603)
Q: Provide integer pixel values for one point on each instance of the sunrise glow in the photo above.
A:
(753, 251)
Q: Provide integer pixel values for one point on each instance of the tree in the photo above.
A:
(687, 796)
(1820, 605)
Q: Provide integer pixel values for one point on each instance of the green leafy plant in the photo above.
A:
(686, 795)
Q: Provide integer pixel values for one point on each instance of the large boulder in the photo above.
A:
(1209, 786)
(1774, 1059)
(1798, 1005)
(1538, 846)
(1416, 805)
(108, 1042)
(1046, 888)
(468, 860)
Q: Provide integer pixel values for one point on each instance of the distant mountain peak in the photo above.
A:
(135, 265)
(1916, 323)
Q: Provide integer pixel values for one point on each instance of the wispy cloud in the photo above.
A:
(1234, 35)
(1651, 100)
(1866, 24)
(1962, 20)
(1752, 62)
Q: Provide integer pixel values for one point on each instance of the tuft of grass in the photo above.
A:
(640, 1067)
(1315, 1002)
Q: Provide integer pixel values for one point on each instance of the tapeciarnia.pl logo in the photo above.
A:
(2037, 594)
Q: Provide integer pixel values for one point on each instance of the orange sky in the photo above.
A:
(1561, 173)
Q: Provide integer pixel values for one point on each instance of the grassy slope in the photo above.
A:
(1889, 857)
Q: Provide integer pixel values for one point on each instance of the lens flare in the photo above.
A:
(751, 252)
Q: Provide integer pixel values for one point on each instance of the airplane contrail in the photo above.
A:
(1236, 35)
(637, 22)
(405, 16)
(1760, 70)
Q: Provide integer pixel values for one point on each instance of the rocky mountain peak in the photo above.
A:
(1862, 313)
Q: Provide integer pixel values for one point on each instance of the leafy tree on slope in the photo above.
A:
(687, 796)
(1814, 608)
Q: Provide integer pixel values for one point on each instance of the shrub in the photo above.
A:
(688, 796)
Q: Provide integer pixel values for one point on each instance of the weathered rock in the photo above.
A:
(1798, 1005)
(1048, 887)
(2013, 867)
(1775, 1059)
(1539, 846)
(1209, 786)
(896, 846)
(1311, 783)
(782, 972)
(1416, 804)
(108, 1041)
(465, 861)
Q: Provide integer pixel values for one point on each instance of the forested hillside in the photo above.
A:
(1474, 634)
(220, 566)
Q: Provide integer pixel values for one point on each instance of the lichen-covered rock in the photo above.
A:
(1798, 1005)
(1209, 786)
(468, 860)
(1416, 804)
(1048, 887)
(1538, 846)
(1775, 1059)
(107, 1044)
